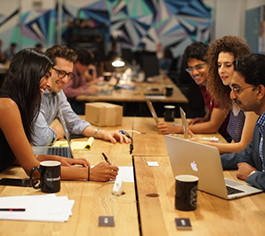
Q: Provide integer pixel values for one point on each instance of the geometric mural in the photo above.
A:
(173, 23)
(137, 23)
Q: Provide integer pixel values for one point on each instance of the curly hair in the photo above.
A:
(229, 44)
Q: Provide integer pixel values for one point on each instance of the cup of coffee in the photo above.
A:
(169, 113)
(50, 177)
(168, 91)
(186, 192)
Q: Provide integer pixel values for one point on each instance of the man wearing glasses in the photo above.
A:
(248, 91)
(55, 99)
(216, 119)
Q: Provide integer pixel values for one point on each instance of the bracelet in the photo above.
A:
(88, 174)
(96, 133)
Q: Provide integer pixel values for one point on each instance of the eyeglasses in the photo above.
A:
(62, 74)
(238, 90)
(197, 67)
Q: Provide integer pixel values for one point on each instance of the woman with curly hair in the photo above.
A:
(221, 56)
(216, 118)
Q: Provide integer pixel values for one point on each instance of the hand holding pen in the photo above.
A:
(106, 158)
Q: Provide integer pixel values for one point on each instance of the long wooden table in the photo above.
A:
(108, 93)
(153, 190)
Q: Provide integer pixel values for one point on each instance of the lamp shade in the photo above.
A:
(118, 62)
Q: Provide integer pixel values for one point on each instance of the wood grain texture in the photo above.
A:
(91, 201)
(213, 216)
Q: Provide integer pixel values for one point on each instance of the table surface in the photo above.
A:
(213, 216)
(136, 95)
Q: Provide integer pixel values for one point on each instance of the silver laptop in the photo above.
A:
(184, 122)
(187, 157)
(152, 110)
(59, 151)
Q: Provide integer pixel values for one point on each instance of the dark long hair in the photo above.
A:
(22, 84)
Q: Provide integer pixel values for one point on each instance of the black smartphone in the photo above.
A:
(15, 182)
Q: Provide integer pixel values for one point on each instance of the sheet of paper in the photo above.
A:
(38, 208)
(152, 163)
(126, 174)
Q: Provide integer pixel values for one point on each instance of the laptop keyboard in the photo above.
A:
(63, 152)
(231, 190)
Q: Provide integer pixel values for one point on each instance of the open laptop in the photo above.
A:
(184, 122)
(203, 161)
(152, 110)
(59, 151)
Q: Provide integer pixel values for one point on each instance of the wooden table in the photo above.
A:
(135, 95)
(153, 190)
(91, 201)
(213, 216)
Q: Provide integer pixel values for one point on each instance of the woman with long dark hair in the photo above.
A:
(20, 98)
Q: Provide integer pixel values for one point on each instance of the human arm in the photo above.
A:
(217, 118)
(72, 92)
(11, 125)
(201, 119)
(246, 136)
(113, 136)
(231, 160)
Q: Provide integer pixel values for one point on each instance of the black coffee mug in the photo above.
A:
(50, 177)
(168, 91)
(186, 192)
(169, 113)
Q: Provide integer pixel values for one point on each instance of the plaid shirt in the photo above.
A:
(260, 124)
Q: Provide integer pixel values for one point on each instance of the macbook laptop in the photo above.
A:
(184, 122)
(59, 151)
(152, 110)
(203, 161)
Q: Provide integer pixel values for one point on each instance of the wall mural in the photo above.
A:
(137, 23)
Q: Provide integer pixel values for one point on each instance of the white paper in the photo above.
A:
(126, 174)
(38, 208)
(152, 163)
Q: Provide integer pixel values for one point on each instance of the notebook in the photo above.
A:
(203, 161)
(152, 110)
(59, 151)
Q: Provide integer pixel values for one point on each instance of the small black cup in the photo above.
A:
(50, 177)
(186, 192)
(168, 91)
(169, 113)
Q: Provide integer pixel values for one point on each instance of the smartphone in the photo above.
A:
(15, 182)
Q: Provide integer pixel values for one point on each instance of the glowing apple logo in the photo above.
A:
(194, 166)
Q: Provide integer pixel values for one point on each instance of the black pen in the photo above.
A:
(12, 209)
(106, 159)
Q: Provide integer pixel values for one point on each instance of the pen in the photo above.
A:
(12, 209)
(106, 159)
